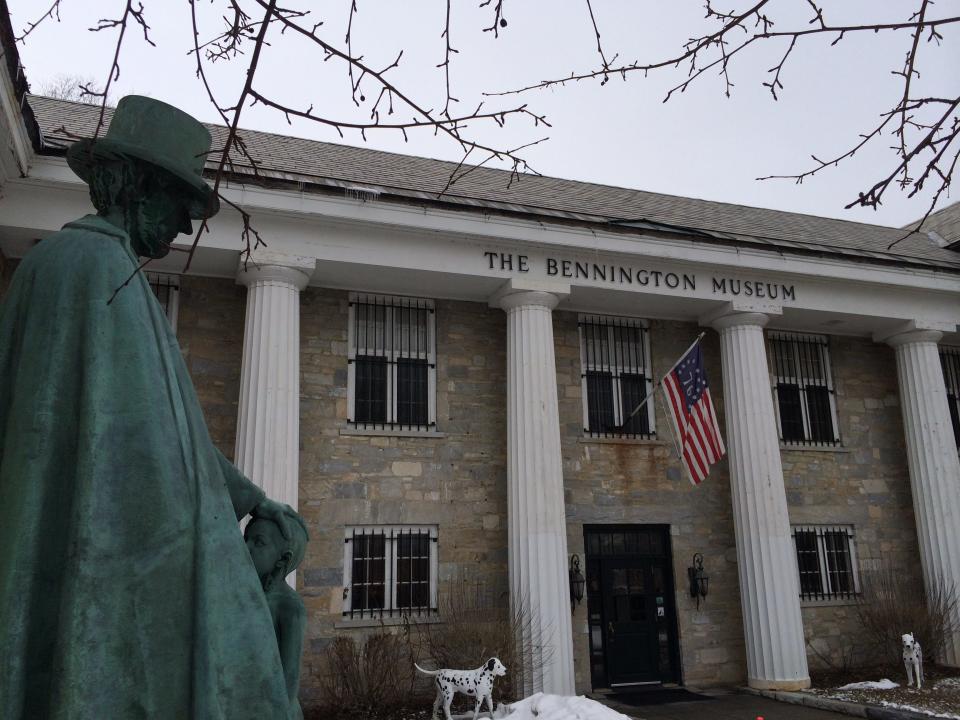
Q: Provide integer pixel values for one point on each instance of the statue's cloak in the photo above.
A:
(126, 591)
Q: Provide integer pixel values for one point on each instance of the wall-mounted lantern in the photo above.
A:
(698, 581)
(577, 582)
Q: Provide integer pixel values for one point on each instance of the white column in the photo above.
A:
(767, 565)
(933, 463)
(268, 422)
(537, 535)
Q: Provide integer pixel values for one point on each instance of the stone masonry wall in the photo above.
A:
(210, 332)
(456, 481)
(643, 482)
(865, 484)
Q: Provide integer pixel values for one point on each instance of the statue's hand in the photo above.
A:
(280, 513)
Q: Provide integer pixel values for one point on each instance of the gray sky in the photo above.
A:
(699, 144)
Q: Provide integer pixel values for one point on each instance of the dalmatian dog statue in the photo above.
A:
(476, 683)
(912, 659)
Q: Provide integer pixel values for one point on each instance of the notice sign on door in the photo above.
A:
(660, 612)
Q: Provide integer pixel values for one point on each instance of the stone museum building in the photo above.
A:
(442, 380)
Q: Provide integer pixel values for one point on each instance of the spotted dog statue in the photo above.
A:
(912, 659)
(477, 683)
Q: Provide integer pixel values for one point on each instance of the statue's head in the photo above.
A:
(274, 556)
(146, 172)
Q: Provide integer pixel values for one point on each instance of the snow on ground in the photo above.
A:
(557, 707)
(870, 685)
(924, 711)
(951, 683)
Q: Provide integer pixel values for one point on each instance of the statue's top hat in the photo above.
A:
(159, 134)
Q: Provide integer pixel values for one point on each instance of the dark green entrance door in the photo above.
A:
(631, 605)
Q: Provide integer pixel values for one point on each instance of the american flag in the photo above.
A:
(691, 409)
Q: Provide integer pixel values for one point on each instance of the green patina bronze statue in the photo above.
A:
(275, 557)
(125, 587)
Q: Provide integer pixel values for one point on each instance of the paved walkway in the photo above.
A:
(724, 706)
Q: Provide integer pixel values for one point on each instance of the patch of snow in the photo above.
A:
(871, 685)
(557, 707)
(924, 711)
(952, 683)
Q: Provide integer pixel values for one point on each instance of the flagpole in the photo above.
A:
(660, 381)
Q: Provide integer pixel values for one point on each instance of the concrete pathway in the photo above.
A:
(724, 706)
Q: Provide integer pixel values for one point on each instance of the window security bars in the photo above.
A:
(803, 389)
(826, 560)
(615, 377)
(392, 363)
(390, 572)
(167, 289)
(950, 360)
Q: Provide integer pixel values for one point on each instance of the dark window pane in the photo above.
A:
(954, 403)
(821, 419)
(633, 389)
(370, 392)
(600, 402)
(791, 412)
(413, 570)
(412, 392)
(369, 567)
(808, 563)
(839, 567)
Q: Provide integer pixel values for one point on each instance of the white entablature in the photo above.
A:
(395, 247)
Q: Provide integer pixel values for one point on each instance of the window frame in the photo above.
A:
(392, 534)
(802, 382)
(171, 282)
(827, 592)
(617, 370)
(393, 356)
(950, 363)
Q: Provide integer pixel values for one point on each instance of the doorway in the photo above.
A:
(631, 605)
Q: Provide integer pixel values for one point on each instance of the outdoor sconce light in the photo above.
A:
(577, 582)
(698, 581)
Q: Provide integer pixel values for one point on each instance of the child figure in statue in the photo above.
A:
(275, 557)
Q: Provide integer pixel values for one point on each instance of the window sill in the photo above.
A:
(815, 448)
(391, 433)
(621, 441)
(347, 623)
(838, 602)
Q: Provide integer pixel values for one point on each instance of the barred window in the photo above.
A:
(803, 389)
(950, 359)
(391, 363)
(390, 571)
(826, 561)
(167, 289)
(615, 377)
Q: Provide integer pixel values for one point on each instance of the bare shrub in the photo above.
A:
(367, 676)
(477, 625)
(892, 604)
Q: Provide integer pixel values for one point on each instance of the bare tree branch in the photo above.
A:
(105, 24)
(231, 139)
(52, 12)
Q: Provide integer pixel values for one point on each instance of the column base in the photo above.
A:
(787, 685)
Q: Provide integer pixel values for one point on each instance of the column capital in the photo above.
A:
(913, 331)
(537, 293)
(735, 319)
(276, 268)
(739, 312)
(914, 336)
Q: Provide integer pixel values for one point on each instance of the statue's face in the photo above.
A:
(265, 544)
(158, 218)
